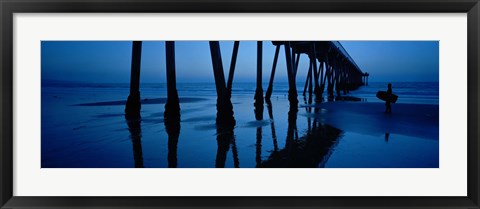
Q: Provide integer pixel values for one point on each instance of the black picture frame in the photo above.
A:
(10, 7)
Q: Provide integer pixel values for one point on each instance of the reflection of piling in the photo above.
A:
(172, 106)
(236, 161)
(133, 106)
(309, 120)
(258, 144)
(272, 125)
(173, 130)
(224, 105)
(222, 149)
(225, 137)
(258, 147)
(134, 127)
(291, 133)
(311, 150)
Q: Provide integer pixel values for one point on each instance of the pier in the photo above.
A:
(294, 104)
(330, 68)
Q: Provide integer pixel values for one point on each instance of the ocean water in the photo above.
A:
(408, 92)
(83, 126)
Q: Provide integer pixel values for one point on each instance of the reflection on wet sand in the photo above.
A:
(310, 150)
(134, 127)
(225, 137)
(272, 125)
(258, 145)
(173, 131)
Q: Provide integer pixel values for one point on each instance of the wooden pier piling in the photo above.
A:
(365, 78)
(313, 60)
(232, 68)
(292, 89)
(224, 105)
(272, 75)
(133, 106)
(337, 69)
(259, 90)
(172, 106)
(308, 80)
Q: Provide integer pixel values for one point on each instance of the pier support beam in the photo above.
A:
(297, 61)
(338, 75)
(259, 91)
(272, 75)
(224, 105)
(345, 78)
(292, 89)
(322, 78)
(172, 106)
(316, 89)
(133, 106)
(308, 81)
(331, 80)
(232, 68)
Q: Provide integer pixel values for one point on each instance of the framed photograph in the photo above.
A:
(234, 104)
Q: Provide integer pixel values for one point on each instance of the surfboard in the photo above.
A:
(383, 95)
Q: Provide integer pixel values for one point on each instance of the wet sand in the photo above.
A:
(415, 120)
(406, 138)
(85, 130)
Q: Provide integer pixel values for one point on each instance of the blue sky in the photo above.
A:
(109, 61)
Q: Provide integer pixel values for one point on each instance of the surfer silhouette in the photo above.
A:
(387, 102)
(388, 97)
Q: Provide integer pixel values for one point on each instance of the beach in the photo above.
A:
(83, 126)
